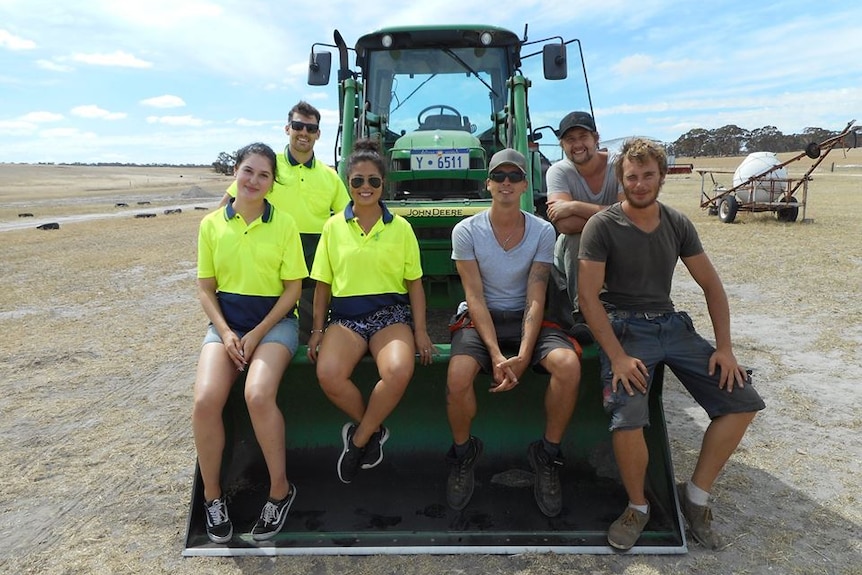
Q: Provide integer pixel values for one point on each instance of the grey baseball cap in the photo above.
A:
(508, 156)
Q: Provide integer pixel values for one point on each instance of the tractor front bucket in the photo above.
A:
(400, 507)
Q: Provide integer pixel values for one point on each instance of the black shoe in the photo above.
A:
(351, 456)
(459, 486)
(546, 489)
(272, 517)
(580, 330)
(219, 527)
(374, 449)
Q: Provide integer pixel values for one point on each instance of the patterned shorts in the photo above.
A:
(370, 324)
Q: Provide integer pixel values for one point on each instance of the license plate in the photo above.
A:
(454, 159)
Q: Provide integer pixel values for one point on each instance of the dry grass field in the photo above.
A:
(101, 330)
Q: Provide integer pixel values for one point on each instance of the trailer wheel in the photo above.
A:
(790, 213)
(727, 209)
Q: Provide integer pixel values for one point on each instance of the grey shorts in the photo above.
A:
(669, 338)
(466, 340)
(285, 332)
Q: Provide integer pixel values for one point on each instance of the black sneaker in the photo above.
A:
(219, 527)
(351, 456)
(273, 516)
(546, 489)
(461, 482)
(374, 449)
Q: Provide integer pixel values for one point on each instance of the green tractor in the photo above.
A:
(441, 100)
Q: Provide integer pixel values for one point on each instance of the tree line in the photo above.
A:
(731, 140)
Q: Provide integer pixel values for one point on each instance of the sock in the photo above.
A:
(695, 494)
(642, 508)
(462, 449)
(552, 449)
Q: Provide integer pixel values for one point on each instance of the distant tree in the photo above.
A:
(225, 163)
(766, 139)
(730, 140)
(692, 143)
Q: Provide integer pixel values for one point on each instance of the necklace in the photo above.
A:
(505, 243)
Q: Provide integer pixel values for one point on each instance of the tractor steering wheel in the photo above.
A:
(441, 107)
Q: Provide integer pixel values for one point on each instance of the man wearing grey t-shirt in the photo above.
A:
(579, 186)
(628, 255)
(503, 256)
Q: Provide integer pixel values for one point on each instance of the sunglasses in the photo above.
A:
(298, 126)
(500, 177)
(359, 181)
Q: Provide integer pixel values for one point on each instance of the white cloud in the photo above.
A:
(12, 42)
(166, 101)
(176, 120)
(53, 66)
(93, 111)
(118, 59)
(252, 123)
(67, 134)
(41, 117)
(16, 127)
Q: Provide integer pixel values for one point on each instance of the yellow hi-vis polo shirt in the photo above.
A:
(366, 272)
(249, 261)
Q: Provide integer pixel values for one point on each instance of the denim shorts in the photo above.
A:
(285, 332)
(669, 338)
(507, 324)
(370, 324)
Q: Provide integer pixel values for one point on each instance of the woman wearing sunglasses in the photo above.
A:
(369, 298)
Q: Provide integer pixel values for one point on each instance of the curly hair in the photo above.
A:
(640, 150)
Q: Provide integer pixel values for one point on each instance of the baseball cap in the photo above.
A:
(576, 120)
(508, 156)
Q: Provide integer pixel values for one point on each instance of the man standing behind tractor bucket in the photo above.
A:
(632, 249)
(308, 190)
(504, 256)
(579, 186)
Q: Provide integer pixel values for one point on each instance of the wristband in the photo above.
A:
(316, 331)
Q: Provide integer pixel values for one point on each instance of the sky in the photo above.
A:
(179, 81)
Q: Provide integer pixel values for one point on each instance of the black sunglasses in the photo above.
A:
(373, 181)
(298, 126)
(500, 177)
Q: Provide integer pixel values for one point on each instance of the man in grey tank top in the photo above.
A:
(503, 256)
(579, 186)
(631, 249)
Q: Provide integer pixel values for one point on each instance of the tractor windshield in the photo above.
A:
(434, 88)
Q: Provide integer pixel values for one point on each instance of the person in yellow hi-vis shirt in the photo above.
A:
(369, 297)
(250, 271)
(307, 189)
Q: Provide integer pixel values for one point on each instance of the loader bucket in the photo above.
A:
(399, 507)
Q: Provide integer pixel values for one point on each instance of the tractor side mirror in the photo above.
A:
(319, 67)
(554, 61)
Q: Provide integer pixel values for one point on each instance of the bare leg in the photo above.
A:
(719, 442)
(632, 458)
(216, 374)
(340, 351)
(562, 394)
(261, 387)
(395, 354)
(460, 396)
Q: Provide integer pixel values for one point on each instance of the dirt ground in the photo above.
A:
(102, 328)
